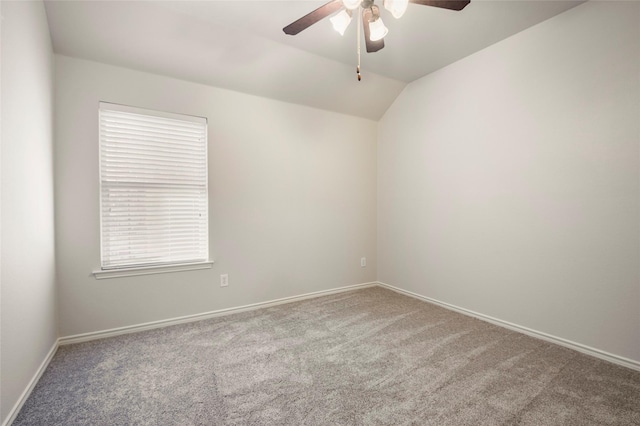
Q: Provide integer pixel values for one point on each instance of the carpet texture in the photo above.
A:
(366, 357)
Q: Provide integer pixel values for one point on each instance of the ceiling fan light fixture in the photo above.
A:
(341, 21)
(377, 30)
(396, 7)
(351, 4)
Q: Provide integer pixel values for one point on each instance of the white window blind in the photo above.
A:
(153, 187)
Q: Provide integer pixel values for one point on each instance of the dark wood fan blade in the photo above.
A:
(311, 18)
(372, 46)
(445, 4)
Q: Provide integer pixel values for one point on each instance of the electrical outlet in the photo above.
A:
(224, 280)
(363, 262)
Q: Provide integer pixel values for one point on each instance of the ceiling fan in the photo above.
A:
(374, 29)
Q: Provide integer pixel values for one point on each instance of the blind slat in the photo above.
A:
(116, 139)
(153, 154)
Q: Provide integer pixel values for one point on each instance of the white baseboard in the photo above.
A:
(13, 413)
(629, 363)
(158, 324)
(625, 362)
(85, 337)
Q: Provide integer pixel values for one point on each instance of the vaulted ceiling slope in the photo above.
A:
(239, 45)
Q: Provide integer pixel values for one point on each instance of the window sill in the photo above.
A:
(150, 270)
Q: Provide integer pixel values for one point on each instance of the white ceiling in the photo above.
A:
(239, 45)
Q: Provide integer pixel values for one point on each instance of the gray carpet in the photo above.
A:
(366, 357)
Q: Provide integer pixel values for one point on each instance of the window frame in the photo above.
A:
(114, 271)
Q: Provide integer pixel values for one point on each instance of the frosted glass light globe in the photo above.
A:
(377, 30)
(341, 21)
(396, 7)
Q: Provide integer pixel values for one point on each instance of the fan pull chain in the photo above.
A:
(359, 31)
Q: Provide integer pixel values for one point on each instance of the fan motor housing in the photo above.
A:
(366, 4)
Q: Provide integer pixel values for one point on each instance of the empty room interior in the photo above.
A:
(351, 212)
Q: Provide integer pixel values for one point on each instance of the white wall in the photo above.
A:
(28, 276)
(292, 200)
(509, 182)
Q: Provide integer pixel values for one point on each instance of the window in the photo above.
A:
(153, 188)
